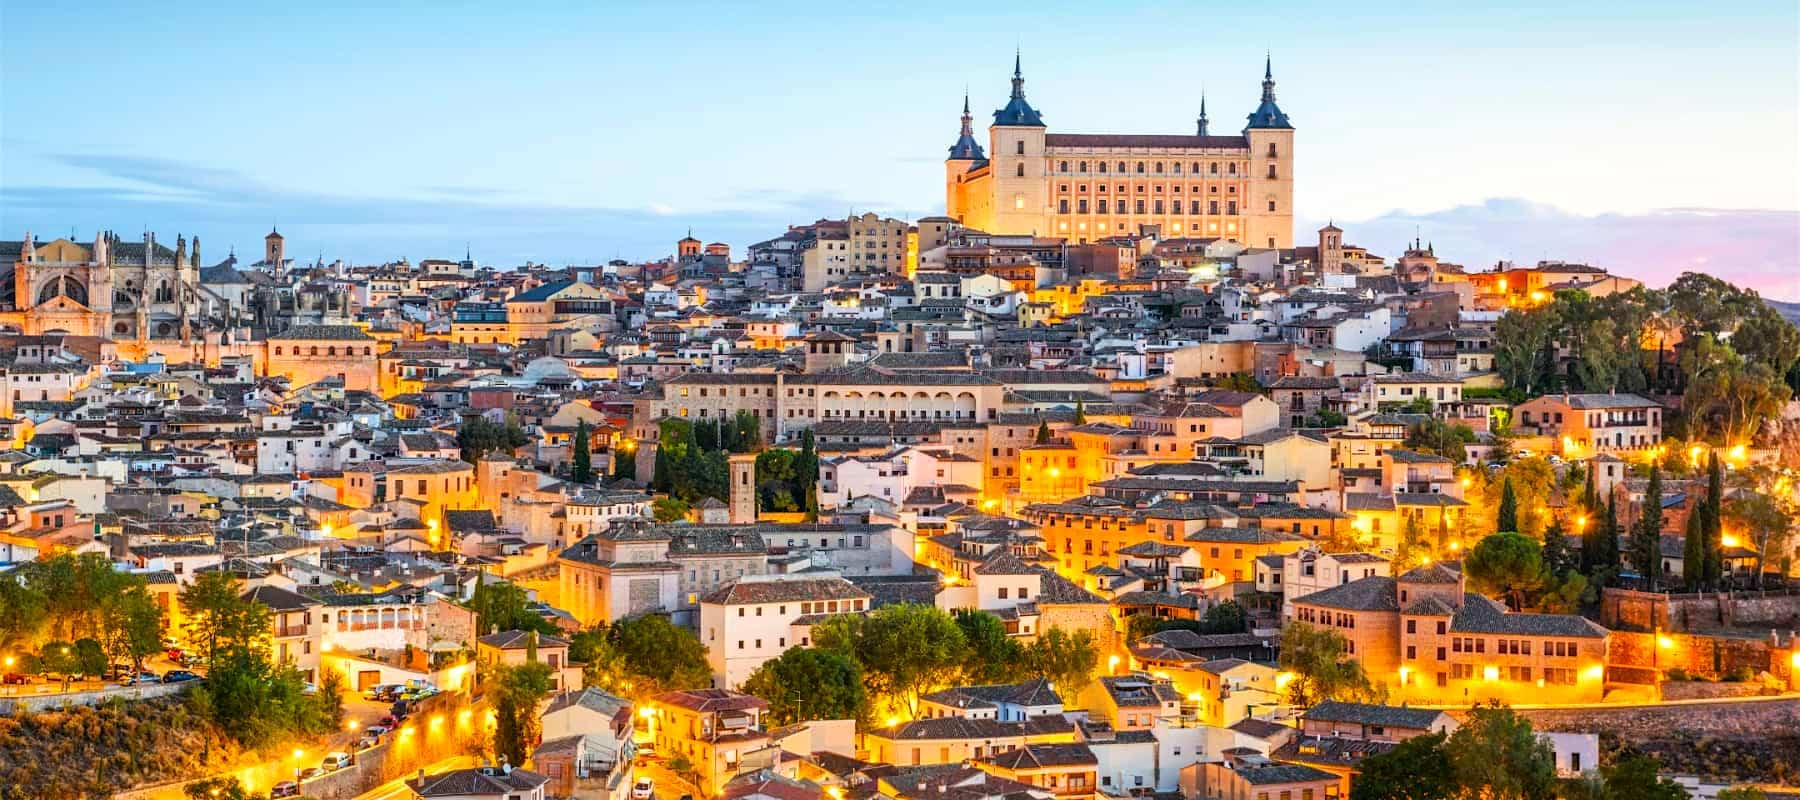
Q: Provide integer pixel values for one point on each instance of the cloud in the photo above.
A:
(1755, 248)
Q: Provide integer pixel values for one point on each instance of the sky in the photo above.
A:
(1650, 137)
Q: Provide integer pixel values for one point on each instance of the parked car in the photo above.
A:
(336, 761)
(140, 678)
(309, 688)
(18, 678)
(285, 789)
(382, 692)
(644, 789)
(388, 722)
(311, 772)
(175, 654)
(379, 730)
(179, 676)
(366, 742)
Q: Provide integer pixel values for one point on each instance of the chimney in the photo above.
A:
(421, 778)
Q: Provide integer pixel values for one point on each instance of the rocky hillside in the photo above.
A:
(94, 752)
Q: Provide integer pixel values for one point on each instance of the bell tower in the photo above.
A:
(1016, 147)
(274, 251)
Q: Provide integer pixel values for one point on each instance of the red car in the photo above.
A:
(17, 678)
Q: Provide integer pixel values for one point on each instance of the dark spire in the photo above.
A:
(966, 148)
(1017, 112)
(1201, 122)
(1268, 115)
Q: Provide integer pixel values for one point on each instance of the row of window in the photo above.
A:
(329, 350)
(1142, 206)
(1141, 167)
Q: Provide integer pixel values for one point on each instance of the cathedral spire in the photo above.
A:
(1201, 122)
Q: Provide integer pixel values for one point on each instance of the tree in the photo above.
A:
(1507, 518)
(1742, 793)
(1240, 382)
(993, 656)
(581, 469)
(1712, 544)
(905, 650)
(1496, 756)
(602, 666)
(220, 620)
(515, 691)
(1508, 565)
(1442, 438)
(1322, 667)
(806, 475)
(1522, 340)
(706, 436)
(659, 655)
(1634, 776)
(1043, 432)
(479, 436)
(1646, 536)
(505, 606)
(223, 787)
(1767, 520)
(1066, 660)
(807, 683)
(669, 509)
(1558, 557)
(132, 629)
(624, 462)
(1693, 550)
(749, 433)
(1416, 769)
(23, 610)
(1224, 617)
(1080, 411)
(1606, 545)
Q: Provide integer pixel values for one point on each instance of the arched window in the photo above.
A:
(331, 351)
(1177, 166)
(121, 327)
(1121, 166)
(163, 293)
(1081, 167)
(367, 351)
(1021, 170)
(1103, 168)
(1140, 167)
(315, 350)
(1063, 166)
(277, 349)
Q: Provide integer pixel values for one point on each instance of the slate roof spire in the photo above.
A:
(1201, 122)
(1268, 115)
(1017, 112)
(966, 148)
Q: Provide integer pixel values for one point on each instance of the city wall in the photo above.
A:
(1632, 610)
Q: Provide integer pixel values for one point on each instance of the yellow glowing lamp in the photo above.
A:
(892, 721)
(1455, 546)
(1665, 642)
(1490, 673)
(1729, 540)
(1282, 679)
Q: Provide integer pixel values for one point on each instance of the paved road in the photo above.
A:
(396, 788)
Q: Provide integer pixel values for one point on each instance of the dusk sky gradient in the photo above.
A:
(1650, 137)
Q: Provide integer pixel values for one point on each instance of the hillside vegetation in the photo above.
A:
(94, 752)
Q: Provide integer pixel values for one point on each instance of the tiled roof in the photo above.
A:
(1482, 615)
(1365, 594)
(1373, 714)
(477, 782)
(745, 592)
(334, 333)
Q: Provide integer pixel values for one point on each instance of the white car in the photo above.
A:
(643, 789)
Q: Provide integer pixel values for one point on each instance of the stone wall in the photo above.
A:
(27, 699)
(1698, 690)
(1632, 610)
(1710, 656)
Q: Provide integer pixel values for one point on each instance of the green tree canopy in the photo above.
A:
(993, 656)
(1322, 667)
(905, 649)
(581, 467)
(660, 655)
(1508, 565)
(806, 683)
(514, 691)
(1416, 769)
(1496, 756)
(1065, 659)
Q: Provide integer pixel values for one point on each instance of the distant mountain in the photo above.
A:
(1789, 311)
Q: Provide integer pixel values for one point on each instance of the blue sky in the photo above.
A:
(584, 131)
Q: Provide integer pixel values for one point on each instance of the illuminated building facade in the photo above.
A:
(1087, 187)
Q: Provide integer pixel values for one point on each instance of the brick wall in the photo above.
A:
(1699, 654)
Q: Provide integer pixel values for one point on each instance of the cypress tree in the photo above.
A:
(1507, 519)
(1080, 412)
(1043, 432)
(581, 468)
(1646, 537)
(662, 477)
(1693, 549)
(1711, 524)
